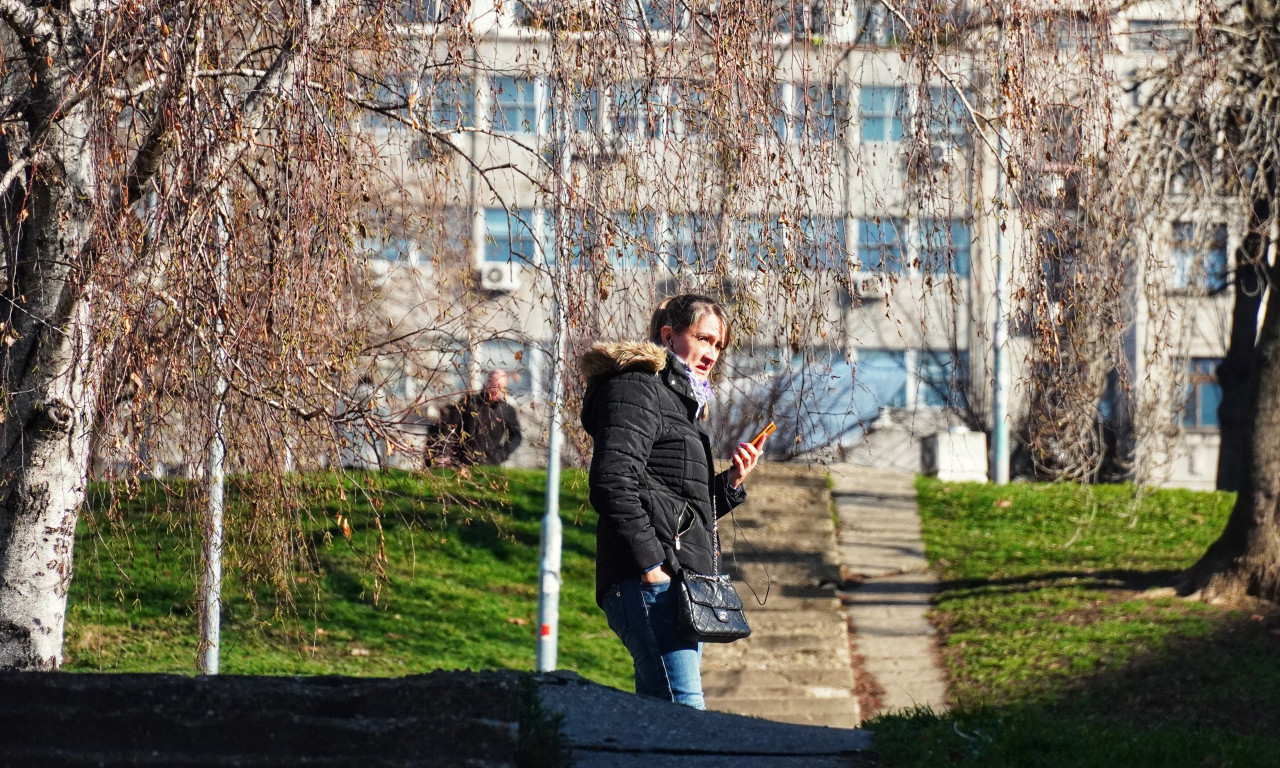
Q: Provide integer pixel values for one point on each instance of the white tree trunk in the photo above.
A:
(46, 485)
(46, 379)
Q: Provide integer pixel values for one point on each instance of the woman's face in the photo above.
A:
(699, 345)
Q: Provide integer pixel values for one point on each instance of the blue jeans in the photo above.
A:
(667, 667)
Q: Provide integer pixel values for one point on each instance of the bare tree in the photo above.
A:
(165, 166)
(1209, 133)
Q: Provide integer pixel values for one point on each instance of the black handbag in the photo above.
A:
(710, 610)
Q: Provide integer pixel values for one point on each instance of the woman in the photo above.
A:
(653, 485)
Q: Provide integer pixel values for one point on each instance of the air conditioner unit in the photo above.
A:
(499, 277)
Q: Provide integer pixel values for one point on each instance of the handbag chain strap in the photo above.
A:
(715, 536)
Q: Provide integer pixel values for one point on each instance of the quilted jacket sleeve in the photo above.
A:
(624, 426)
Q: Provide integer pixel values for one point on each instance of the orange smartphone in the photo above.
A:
(758, 440)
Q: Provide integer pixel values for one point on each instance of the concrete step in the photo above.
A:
(836, 713)
(767, 684)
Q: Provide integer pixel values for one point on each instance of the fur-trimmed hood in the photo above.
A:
(608, 358)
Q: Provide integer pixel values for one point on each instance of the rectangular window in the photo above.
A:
(633, 241)
(1157, 36)
(880, 113)
(1069, 32)
(687, 114)
(1199, 260)
(401, 249)
(586, 111)
(947, 118)
(883, 374)
(453, 104)
(509, 237)
(942, 378)
(1203, 393)
(655, 15)
(814, 111)
(880, 244)
(944, 247)
(800, 17)
(876, 26)
(819, 242)
(638, 109)
(515, 105)
(695, 239)
(759, 239)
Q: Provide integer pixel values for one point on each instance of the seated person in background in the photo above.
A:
(481, 428)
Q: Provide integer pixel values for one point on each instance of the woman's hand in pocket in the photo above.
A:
(658, 575)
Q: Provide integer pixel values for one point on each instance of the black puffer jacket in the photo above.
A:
(651, 467)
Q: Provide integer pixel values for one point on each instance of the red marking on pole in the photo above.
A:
(546, 630)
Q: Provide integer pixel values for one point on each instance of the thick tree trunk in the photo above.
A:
(1245, 560)
(46, 386)
(1235, 372)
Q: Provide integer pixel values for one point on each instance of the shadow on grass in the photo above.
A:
(1205, 700)
(1110, 579)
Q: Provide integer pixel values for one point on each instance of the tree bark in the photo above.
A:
(1236, 370)
(1245, 560)
(46, 389)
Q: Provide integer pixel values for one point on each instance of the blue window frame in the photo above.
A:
(638, 109)
(1199, 257)
(509, 237)
(942, 378)
(635, 239)
(453, 104)
(819, 242)
(695, 239)
(944, 246)
(515, 105)
(883, 373)
(880, 113)
(1203, 394)
(947, 118)
(880, 244)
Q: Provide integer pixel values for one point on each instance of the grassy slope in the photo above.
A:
(459, 587)
(1057, 658)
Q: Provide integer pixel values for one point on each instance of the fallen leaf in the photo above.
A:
(359, 651)
(1004, 503)
(517, 621)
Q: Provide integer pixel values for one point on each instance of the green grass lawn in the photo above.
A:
(1058, 654)
(439, 572)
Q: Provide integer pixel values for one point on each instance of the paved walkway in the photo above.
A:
(892, 588)
(797, 667)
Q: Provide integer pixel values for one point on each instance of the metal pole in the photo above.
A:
(211, 598)
(1000, 333)
(549, 563)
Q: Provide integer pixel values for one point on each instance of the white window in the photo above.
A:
(1157, 36)
(876, 25)
(1203, 394)
(944, 246)
(452, 104)
(510, 235)
(881, 245)
(800, 17)
(1199, 257)
(880, 113)
(813, 111)
(515, 105)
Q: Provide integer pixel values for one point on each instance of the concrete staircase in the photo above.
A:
(796, 667)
